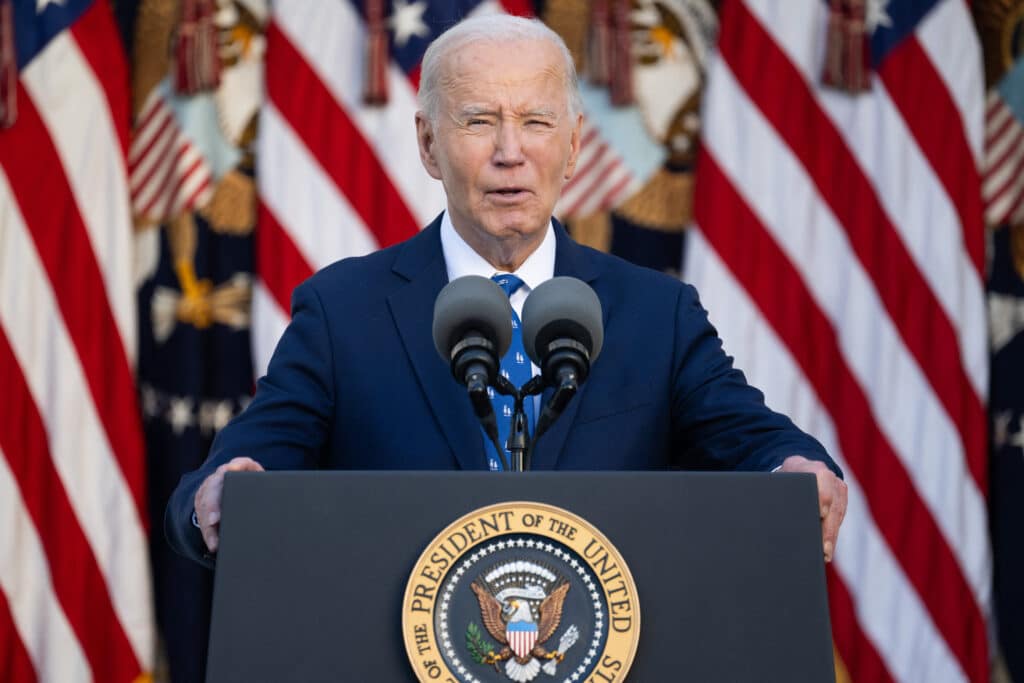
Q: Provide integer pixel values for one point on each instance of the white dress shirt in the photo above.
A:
(461, 260)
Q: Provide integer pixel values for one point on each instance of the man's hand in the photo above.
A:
(207, 502)
(831, 498)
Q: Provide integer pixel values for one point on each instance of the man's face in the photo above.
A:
(503, 143)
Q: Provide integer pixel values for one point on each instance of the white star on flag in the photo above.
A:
(180, 414)
(407, 21)
(878, 15)
(41, 5)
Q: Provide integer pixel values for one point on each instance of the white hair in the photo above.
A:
(493, 28)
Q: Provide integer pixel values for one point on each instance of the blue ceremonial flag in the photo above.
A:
(1006, 406)
(190, 167)
(999, 25)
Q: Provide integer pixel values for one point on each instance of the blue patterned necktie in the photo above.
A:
(516, 368)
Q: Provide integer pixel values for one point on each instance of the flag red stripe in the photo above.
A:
(579, 173)
(521, 8)
(163, 136)
(1012, 184)
(932, 116)
(153, 108)
(784, 98)
(98, 39)
(1011, 147)
(414, 77)
(279, 263)
(334, 141)
(31, 164)
(164, 196)
(993, 103)
(858, 654)
(77, 581)
(178, 178)
(163, 161)
(609, 198)
(582, 173)
(15, 664)
(1013, 215)
(593, 187)
(992, 138)
(193, 199)
(758, 263)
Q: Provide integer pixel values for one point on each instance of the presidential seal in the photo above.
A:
(520, 591)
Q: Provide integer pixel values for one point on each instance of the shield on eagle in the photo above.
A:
(522, 636)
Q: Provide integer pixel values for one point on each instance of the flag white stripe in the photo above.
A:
(148, 178)
(594, 156)
(997, 118)
(904, 195)
(995, 152)
(600, 197)
(74, 107)
(1004, 202)
(142, 122)
(992, 101)
(1018, 215)
(187, 198)
(889, 611)
(955, 55)
(147, 141)
(924, 216)
(897, 390)
(183, 182)
(82, 455)
(331, 36)
(267, 325)
(323, 225)
(1007, 175)
(150, 196)
(591, 144)
(41, 624)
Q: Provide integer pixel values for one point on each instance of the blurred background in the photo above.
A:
(843, 181)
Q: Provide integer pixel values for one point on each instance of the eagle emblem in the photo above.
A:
(521, 608)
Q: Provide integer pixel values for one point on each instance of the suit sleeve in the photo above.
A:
(284, 428)
(720, 422)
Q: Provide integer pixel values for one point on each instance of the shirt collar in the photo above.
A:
(461, 260)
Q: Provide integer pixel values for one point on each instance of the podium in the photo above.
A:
(313, 570)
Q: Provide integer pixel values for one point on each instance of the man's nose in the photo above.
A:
(508, 147)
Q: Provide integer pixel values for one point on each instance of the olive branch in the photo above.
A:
(477, 645)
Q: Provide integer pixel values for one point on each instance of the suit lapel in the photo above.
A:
(574, 261)
(412, 306)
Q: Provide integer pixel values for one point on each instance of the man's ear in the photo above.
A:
(427, 144)
(574, 148)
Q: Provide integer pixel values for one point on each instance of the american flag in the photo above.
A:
(1003, 178)
(75, 600)
(341, 178)
(839, 250)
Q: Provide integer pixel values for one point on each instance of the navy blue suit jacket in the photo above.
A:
(355, 383)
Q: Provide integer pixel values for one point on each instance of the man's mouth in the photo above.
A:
(509, 193)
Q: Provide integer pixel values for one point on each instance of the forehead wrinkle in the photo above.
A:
(453, 77)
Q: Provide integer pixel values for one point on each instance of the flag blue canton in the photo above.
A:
(901, 21)
(436, 17)
(35, 26)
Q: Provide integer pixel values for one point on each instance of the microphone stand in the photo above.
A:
(519, 443)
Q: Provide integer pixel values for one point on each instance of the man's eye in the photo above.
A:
(538, 123)
(477, 122)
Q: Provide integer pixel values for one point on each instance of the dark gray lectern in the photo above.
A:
(313, 566)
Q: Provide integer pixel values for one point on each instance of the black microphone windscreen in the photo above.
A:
(471, 303)
(562, 307)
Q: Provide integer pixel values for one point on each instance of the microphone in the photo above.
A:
(472, 330)
(563, 332)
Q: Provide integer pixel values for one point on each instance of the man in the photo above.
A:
(356, 383)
